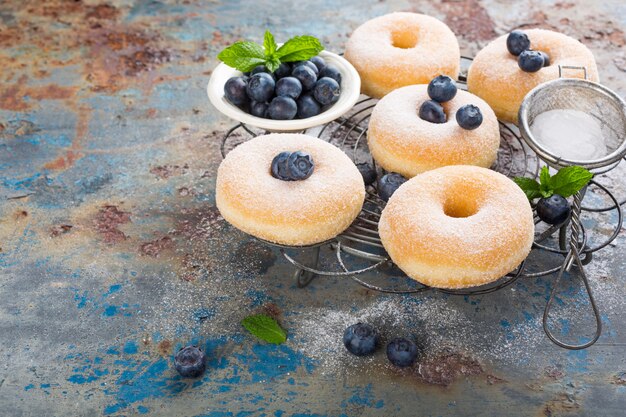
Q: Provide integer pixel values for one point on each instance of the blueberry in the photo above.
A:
(319, 62)
(469, 117)
(431, 111)
(388, 184)
(261, 87)
(305, 75)
(307, 64)
(190, 362)
(442, 88)
(235, 90)
(279, 166)
(530, 61)
(360, 339)
(282, 108)
(307, 106)
(289, 87)
(259, 69)
(258, 109)
(245, 107)
(517, 42)
(368, 172)
(326, 91)
(300, 166)
(283, 70)
(554, 209)
(546, 59)
(401, 352)
(331, 72)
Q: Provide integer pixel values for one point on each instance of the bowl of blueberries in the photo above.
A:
(296, 95)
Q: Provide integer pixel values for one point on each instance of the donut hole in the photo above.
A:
(404, 39)
(460, 207)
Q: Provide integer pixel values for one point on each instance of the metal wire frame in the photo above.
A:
(361, 238)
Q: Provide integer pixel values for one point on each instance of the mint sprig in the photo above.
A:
(566, 182)
(265, 328)
(245, 56)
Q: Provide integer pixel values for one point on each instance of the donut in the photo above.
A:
(496, 77)
(400, 141)
(400, 49)
(293, 213)
(457, 226)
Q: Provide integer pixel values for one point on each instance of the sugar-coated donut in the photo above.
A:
(289, 212)
(496, 77)
(400, 141)
(400, 49)
(457, 226)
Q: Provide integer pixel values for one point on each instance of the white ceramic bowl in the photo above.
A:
(350, 90)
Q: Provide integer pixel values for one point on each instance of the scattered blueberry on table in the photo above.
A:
(190, 362)
(360, 339)
(401, 352)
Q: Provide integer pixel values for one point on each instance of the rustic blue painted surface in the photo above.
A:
(113, 255)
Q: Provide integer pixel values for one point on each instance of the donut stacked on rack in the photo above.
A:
(400, 49)
(289, 189)
(509, 67)
(421, 127)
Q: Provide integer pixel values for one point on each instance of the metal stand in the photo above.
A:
(573, 256)
(361, 239)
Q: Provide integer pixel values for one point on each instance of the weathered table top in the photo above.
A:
(113, 254)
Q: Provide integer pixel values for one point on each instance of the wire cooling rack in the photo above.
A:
(361, 242)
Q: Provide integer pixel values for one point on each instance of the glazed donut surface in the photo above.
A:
(400, 49)
(496, 77)
(400, 141)
(457, 226)
(291, 213)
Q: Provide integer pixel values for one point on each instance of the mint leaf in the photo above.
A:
(529, 186)
(544, 180)
(569, 180)
(299, 48)
(269, 44)
(272, 64)
(544, 176)
(243, 56)
(265, 328)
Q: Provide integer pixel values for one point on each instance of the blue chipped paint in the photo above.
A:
(29, 387)
(130, 347)
(110, 311)
(88, 302)
(112, 290)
